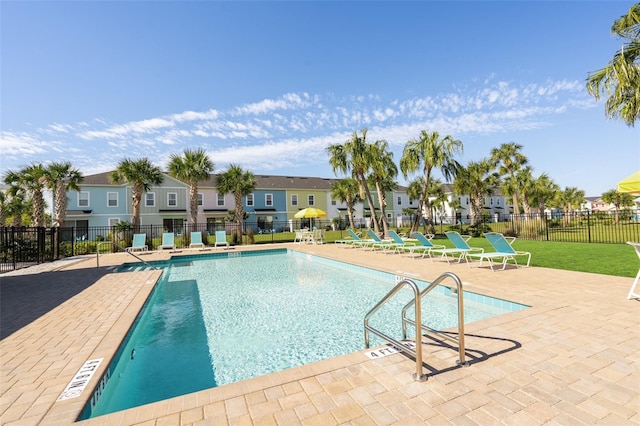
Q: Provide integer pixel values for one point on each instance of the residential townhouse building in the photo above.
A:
(270, 207)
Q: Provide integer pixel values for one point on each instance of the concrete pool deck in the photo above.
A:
(572, 358)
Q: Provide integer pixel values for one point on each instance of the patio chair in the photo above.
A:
(167, 241)
(196, 240)
(461, 247)
(632, 294)
(221, 239)
(299, 238)
(504, 251)
(139, 243)
(316, 237)
(424, 245)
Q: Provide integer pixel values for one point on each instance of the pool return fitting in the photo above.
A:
(416, 303)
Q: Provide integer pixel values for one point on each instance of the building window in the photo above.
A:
(83, 199)
(150, 199)
(172, 199)
(334, 202)
(250, 200)
(294, 199)
(312, 200)
(268, 200)
(200, 199)
(113, 221)
(399, 200)
(220, 200)
(112, 199)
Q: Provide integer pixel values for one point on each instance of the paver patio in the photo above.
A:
(572, 358)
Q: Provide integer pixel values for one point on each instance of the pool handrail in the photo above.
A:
(121, 248)
(460, 296)
(418, 375)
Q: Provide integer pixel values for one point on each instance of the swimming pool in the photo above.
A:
(220, 318)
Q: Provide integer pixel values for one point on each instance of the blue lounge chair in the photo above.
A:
(352, 241)
(400, 243)
(221, 239)
(139, 243)
(377, 242)
(504, 252)
(196, 240)
(462, 249)
(424, 245)
(167, 241)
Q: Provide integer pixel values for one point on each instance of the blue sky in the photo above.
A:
(269, 85)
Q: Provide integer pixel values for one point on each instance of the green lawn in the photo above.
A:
(610, 259)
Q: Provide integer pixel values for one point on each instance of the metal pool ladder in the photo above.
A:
(416, 303)
(121, 248)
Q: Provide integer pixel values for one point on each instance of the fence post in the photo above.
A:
(13, 247)
(589, 225)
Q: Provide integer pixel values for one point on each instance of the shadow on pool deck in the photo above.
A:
(25, 298)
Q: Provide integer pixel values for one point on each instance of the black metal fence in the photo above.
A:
(24, 246)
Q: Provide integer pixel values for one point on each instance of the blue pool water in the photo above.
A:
(221, 318)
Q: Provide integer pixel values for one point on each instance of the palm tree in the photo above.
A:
(509, 159)
(240, 183)
(620, 78)
(190, 168)
(30, 182)
(141, 174)
(346, 191)
(414, 191)
(619, 200)
(569, 199)
(454, 204)
(60, 178)
(4, 207)
(525, 181)
(477, 180)
(439, 200)
(426, 153)
(545, 190)
(383, 174)
(354, 156)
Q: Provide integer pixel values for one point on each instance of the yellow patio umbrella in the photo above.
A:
(310, 213)
(630, 184)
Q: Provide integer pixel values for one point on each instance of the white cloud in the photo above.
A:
(23, 144)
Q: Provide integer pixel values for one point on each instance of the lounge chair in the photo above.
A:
(377, 242)
(504, 251)
(400, 243)
(221, 239)
(632, 294)
(424, 245)
(462, 249)
(139, 243)
(354, 241)
(167, 241)
(196, 240)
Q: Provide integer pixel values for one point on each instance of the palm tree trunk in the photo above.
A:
(193, 204)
